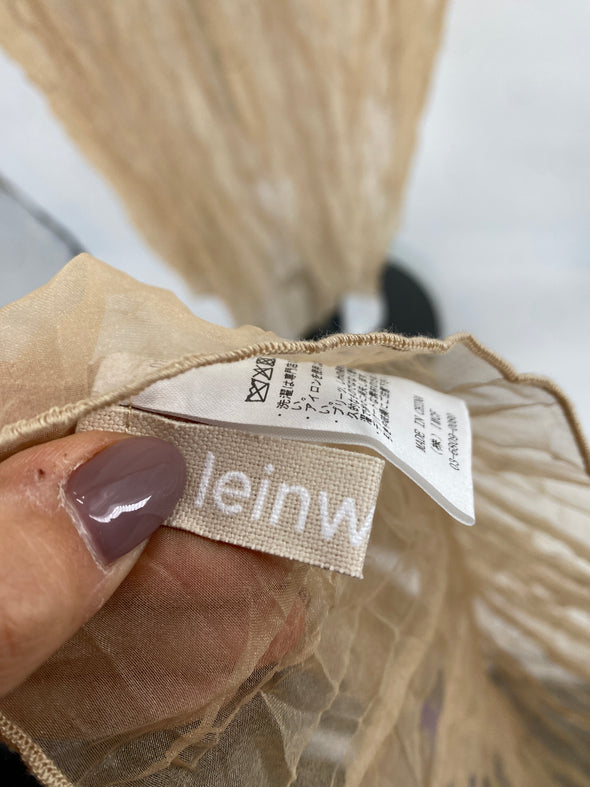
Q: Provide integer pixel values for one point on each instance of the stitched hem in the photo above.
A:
(65, 415)
(38, 763)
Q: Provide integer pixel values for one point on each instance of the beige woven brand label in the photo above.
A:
(298, 500)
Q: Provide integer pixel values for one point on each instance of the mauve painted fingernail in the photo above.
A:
(121, 495)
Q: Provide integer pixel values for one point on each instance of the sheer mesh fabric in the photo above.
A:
(461, 656)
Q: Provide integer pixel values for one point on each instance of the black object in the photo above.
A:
(332, 325)
(409, 309)
(12, 770)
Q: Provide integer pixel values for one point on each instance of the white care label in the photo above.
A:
(423, 432)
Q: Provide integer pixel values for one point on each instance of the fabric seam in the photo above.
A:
(61, 416)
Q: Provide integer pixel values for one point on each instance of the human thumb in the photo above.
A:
(75, 514)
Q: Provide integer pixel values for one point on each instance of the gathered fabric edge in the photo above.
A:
(66, 415)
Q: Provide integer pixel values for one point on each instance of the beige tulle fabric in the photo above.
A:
(461, 658)
(260, 146)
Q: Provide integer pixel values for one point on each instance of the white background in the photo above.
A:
(497, 219)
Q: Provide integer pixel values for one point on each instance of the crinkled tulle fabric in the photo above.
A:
(260, 146)
(462, 657)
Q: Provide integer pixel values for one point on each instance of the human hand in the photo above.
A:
(75, 514)
(60, 566)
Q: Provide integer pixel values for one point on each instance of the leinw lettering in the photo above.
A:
(233, 492)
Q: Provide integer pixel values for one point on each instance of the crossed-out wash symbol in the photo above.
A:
(260, 381)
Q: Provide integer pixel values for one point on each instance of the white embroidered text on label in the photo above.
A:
(306, 502)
